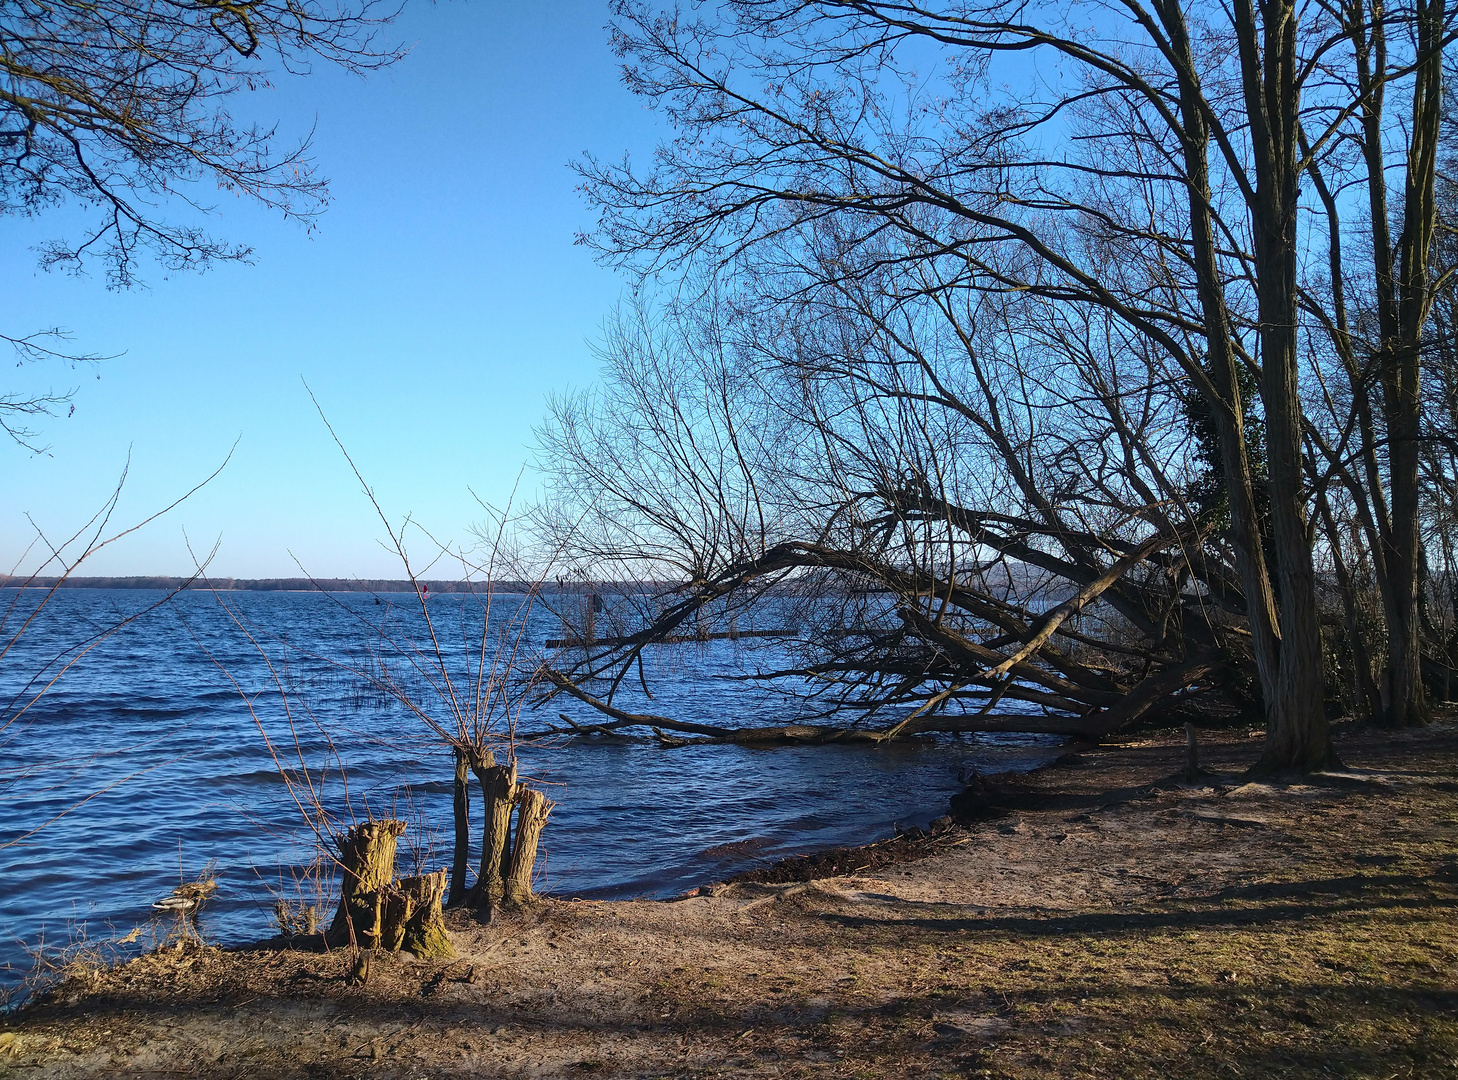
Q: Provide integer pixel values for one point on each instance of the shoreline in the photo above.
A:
(1111, 921)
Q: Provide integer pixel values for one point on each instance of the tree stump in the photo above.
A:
(498, 790)
(413, 918)
(425, 932)
(367, 859)
(531, 817)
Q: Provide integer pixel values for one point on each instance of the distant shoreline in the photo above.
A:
(370, 585)
(367, 585)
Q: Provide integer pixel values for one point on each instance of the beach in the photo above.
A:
(1101, 917)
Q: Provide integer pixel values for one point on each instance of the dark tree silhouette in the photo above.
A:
(121, 107)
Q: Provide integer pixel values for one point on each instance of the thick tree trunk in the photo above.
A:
(413, 918)
(367, 865)
(1404, 697)
(498, 790)
(1297, 737)
(1404, 293)
(461, 810)
(1365, 695)
(531, 817)
(1264, 66)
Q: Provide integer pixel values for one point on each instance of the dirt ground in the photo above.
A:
(1108, 924)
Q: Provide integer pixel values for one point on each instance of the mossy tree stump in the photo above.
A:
(378, 912)
(413, 918)
(367, 865)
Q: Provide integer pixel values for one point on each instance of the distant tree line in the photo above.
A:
(330, 585)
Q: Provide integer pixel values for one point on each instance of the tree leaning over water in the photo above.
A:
(1099, 208)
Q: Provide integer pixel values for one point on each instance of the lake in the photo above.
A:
(160, 729)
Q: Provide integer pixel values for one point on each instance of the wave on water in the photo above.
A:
(153, 766)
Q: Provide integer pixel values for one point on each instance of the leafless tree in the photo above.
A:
(461, 676)
(1134, 164)
(121, 107)
(1368, 304)
(30, 762)
(953, 532)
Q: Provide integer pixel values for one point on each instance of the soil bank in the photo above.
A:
(1105, 925)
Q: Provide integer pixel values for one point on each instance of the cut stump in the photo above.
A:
(531, 817)
(367, 862)
(498, 791)
(414, 919)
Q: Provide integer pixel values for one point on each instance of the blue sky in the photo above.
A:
(439, 302)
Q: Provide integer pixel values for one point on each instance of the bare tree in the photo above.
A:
(462, 679)
(1149, 173)
(1369, 307)
(31, 763)
(946, 532)
(121, 107)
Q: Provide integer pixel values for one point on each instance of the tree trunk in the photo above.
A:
(413, 918)
(367, 859)
(1297, 737)
(461, 807)
(531, 816)
(498, 789)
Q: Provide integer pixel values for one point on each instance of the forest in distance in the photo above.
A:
(307, 584)
(1081, 373)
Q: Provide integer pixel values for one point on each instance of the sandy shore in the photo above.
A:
(1107, 924)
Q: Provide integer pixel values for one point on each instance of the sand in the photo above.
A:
(1105, 919)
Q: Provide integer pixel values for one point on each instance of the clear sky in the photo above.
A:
(439, 302)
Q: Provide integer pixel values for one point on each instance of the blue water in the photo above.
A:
(147, 760)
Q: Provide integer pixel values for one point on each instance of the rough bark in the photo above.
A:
(367, 865)
(1402, 393)
(1297, 738)
(531, 817)
(498, 789)
(461, 812)
(413, 917)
